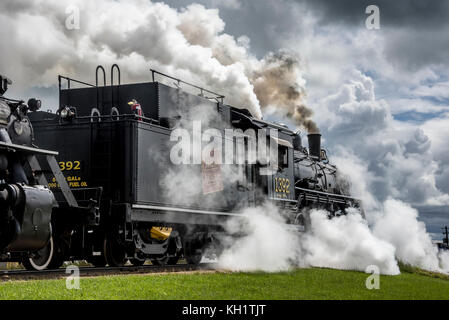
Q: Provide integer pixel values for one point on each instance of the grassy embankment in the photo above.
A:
(313, 283)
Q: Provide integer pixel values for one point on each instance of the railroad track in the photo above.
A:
(6, 275)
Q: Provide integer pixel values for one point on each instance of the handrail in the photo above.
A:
(112, 84)
(96, 76)
(68, 86)
(179, 81)
(112, 73)
(123, 115)
(71, 79)
(96, 84)
(153, 72)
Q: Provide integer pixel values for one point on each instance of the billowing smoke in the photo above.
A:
(279, 85)
(138, 34)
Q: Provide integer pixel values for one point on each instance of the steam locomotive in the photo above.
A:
(113, 195)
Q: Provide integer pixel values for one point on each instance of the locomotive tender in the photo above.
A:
(109, 197)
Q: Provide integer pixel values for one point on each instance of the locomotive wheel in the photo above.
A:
(114, 254)
(58, 256)
(194, 258)
(98, 261)
(173, 260)
(42, 259)
(193, 254)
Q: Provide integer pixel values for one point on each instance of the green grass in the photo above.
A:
(313, 283)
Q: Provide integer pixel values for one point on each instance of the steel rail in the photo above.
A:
(18, 274)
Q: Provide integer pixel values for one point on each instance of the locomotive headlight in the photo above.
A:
(66, 113)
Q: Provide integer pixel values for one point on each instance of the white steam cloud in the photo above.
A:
(267, 243)
(398, 224)
(270, 245)
(136, 34)
(345, 242)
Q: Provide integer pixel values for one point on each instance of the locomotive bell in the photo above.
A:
(314, 145)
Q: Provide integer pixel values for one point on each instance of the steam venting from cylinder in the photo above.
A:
(314, 145)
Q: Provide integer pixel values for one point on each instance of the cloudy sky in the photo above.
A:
(380, 97)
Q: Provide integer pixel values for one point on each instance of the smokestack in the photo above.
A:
(314, 144)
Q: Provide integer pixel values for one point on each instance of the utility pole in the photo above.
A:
(446, 236)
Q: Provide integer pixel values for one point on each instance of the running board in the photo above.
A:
(325, 197)
(175, 209)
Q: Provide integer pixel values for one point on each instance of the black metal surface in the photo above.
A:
(38, 173)
(61, 180)
(113, 101)
(25, 149)
(314, 144)
(325, 197)
(33, 219)
(297, 142)
(84, 99)
(100, 106)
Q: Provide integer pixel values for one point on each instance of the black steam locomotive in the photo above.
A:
(113, 195)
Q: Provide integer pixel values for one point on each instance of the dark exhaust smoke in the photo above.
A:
(277, 84)
(314, 144)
